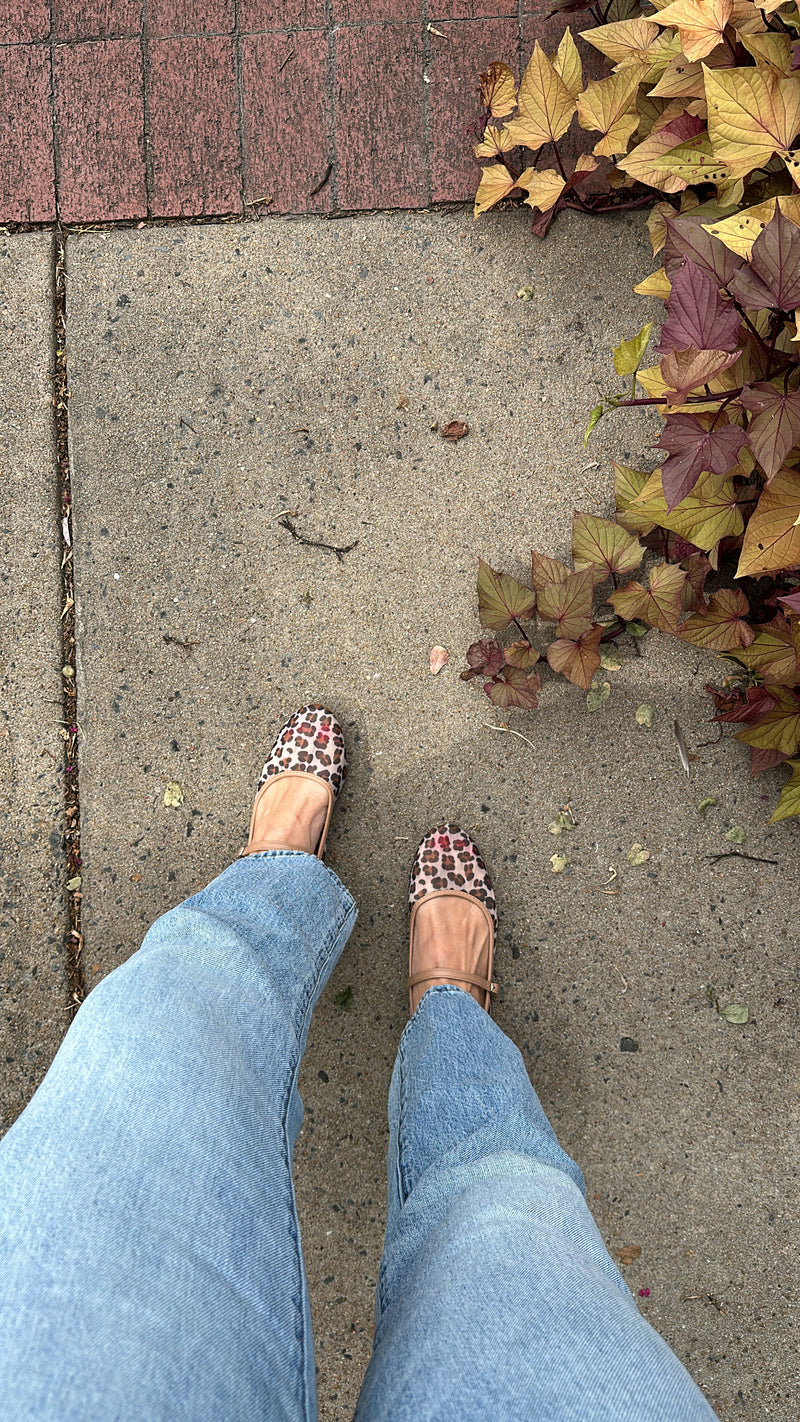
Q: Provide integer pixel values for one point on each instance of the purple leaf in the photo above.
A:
(697, 315)
(483, 659)
(686, 237)
(773, 277)
(775, 427)
(517, 688)
(792, 600)
(692, 450)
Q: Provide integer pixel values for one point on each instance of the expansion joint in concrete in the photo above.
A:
(73, 946)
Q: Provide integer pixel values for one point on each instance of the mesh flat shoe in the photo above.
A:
(448, 864)
(310, 743)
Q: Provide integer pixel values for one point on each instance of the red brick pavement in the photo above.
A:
(123, 109)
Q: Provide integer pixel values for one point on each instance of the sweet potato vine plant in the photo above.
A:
(701, 110)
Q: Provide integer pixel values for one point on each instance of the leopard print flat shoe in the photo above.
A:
(448, 863)
(310, 743)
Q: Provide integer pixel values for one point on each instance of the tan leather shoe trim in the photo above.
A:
(444, 974)
(253, 847)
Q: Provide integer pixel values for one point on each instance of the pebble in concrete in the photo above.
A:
(224, 378)
(33, 1005)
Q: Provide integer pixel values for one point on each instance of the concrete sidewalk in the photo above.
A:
(221, 376)
(33, 923)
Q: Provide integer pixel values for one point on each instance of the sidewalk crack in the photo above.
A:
(70, 728)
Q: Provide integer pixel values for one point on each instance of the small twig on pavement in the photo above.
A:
(256, 202)
(316, 542)
(737, 854)
(176, 641)
(489, 727)
(323, 180)
(289, 56)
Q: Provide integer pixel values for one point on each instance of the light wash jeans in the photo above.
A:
(150, 1263)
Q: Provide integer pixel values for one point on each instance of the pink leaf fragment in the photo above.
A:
(439, 658)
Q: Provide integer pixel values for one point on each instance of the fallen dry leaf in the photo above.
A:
(628, 1253)
(439, 658)
(456, 429)
(173, 795)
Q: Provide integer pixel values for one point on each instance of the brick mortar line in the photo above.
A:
(237, 59)
(227, 219)
(51, 42)
(333, 147)
(73, 945)
(427, 59)
(147, 155)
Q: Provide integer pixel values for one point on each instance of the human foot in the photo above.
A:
(453, 917)
(299, 784)
(290, 813)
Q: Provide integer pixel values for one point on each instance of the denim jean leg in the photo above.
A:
(497, 1297)
(150, 1262)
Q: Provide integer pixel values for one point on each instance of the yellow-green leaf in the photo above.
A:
(544, 188)
(656, 284)
(498, 90)
(789, 802)
(628, 354)
(735, 1012)
(694, 162)
(772, 539)
(779, 729)
(708, 514)
(173, 795)
(598, 543)
(597, 696)
(752, 113)
(545, 104)
(501, 599)
(659, 604)
(628, 485)
(547, 570)
(568, 603)
(609, 106)
(567, 63)
(625, 42)
(495, 142)
(772, 49)
(497, 183)
(739, 232)
(637, 854)
(700, 23)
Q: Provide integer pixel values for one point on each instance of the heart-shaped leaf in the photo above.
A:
(775, 428)
(569, 603)
(723, 627)
(517, 688)
(545, 105)
(771, 538)
(577, 660)
(501, 599)
(789, 802)
(498, 90)
(659, 604)
(695, 445)
(697, 315)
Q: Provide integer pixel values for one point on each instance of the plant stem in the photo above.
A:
(562, 170)
(719, 411)
(525, 636)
